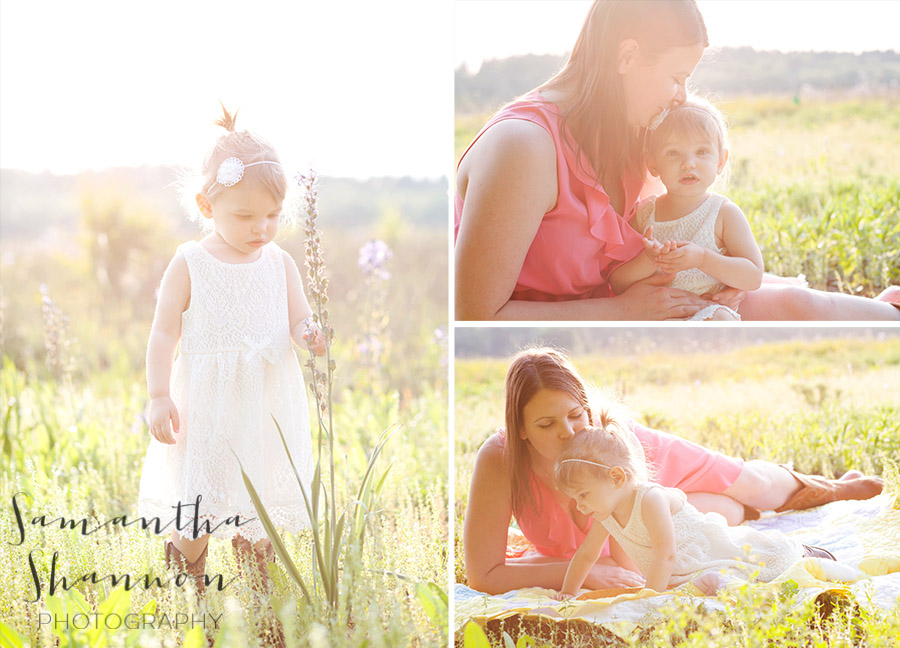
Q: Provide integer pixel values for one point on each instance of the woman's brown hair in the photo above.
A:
(529, 372)
(594, 103)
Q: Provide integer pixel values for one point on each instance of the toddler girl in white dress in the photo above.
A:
(702, 236)
(668, 540)
(230, 304)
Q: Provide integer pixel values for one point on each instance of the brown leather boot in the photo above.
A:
(816, 490)
(257, 574)
(196, 569)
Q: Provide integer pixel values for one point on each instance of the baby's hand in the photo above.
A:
(162, 411)
(315, 338)
(562, 596)
(654, 248)
(683, 255)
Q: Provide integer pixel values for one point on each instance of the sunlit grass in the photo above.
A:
(828, 406)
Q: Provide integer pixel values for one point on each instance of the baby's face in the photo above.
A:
(595, 496)
(688, 163)
(246, 216)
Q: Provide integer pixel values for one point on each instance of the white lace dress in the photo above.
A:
(234, 372)
(704, 543)
(699, 227)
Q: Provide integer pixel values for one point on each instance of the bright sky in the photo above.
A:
(488, 29)
(355, 88)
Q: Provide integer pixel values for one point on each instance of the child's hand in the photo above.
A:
(654, 248)
(315, 339)
(562, 596)
(162, 411)
(684, 255)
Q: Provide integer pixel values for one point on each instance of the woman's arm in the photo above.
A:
(485, 531)
(173, 299)
(657, 516)
(508, 182)
(585, 558)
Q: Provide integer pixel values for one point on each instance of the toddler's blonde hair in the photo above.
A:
(612, 444)
(248, 148)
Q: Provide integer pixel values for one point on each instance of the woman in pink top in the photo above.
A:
(546, 404)
(546, 190)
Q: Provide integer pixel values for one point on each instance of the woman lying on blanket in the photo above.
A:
(546, 404)
(667, 539)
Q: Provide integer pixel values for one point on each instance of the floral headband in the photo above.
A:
(232, 170)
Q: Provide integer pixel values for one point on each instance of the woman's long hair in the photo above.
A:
(594, 104)
(529, 372)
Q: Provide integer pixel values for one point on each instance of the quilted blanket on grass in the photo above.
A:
(864, 537)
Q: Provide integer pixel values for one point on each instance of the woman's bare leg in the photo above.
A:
(730, 509)
(763, 485)
(766, 486)
(785, 302)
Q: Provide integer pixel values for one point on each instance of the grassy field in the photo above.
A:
(826, 405)
(72, 408)
(818, 182)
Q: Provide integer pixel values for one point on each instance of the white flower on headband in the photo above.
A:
(232, 170)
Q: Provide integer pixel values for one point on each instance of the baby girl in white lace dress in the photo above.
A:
(664, 537)
(230, 304)
(703, 237)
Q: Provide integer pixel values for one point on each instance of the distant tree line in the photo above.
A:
(726, 72)
(30, 203)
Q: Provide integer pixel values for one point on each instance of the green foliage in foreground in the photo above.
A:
(827, 405)
(77, 449)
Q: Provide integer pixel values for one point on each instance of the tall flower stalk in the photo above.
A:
(332, 533)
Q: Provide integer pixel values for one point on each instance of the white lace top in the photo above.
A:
(234, 372)
(705, 543)
(699, 226)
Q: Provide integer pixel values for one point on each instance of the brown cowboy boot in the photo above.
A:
(257, 575)
(816, 490)
(195, 569)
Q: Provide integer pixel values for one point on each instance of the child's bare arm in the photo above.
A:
(585, 558)
(741, 268)
(174, 295)
(657, 516)
(302, 331)
(641, 266)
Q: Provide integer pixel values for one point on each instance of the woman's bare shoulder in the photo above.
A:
(518, 147)
(514, 137)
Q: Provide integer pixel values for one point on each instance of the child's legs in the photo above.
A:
(780, 302)
(730, 509)
(190, 549)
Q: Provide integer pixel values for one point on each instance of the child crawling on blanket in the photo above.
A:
(669, 541)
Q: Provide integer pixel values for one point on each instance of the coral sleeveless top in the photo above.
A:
(677, 463)
(582, 239)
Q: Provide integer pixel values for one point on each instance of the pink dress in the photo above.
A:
(677, 463)
(582, 239)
